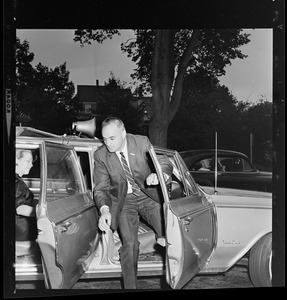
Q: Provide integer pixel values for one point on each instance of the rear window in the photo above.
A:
(63, 177)
(235, 164)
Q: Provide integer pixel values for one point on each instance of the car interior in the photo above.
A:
(28, 251)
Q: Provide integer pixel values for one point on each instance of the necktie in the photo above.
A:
(129, 175)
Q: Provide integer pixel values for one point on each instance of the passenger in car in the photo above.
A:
(26, 226)
(205, 165)
(126, 188)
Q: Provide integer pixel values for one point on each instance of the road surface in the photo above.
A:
(236, 277)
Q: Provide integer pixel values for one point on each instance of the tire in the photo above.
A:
(260, 262)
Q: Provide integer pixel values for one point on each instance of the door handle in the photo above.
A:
(64, 227)
(41, 232)
(187, 220)
(69, 228)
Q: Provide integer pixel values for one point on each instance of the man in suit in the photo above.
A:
(122, 199)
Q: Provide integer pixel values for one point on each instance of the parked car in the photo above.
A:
(234, 170)
(205, 233)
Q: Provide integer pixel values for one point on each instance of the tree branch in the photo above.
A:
(183, 64)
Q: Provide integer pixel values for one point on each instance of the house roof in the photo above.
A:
(89, 93)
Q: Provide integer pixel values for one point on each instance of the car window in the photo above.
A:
(63, 176)
(247, 167)
(199, 164)
(182, 184)
(189, 161)
(205, 164)
(83, 158)
(226, 164)
(235, 164)
(32, 179)
(35, 170)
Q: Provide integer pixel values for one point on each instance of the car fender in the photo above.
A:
(244, 217)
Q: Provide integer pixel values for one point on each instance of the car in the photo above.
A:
(234, 170)
(206, 233)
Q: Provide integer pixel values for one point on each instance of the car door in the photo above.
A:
(190, 222)
(237, 172)
(66, 217)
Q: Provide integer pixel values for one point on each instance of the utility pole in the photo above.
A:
(251, 141)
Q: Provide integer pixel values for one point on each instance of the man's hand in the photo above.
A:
(152, 179)
(105, 219)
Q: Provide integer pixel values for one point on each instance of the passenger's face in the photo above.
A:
(24, 164)
(113, 137)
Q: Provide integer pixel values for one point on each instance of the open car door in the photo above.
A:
(190, 222)
(67, 218)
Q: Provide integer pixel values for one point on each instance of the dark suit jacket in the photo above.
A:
(110, 180)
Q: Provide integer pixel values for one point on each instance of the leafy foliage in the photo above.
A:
(205, 104)
(258, 120)
(116, 101)
(215, 48)
(165, 56)
(85, 36)
(189, 104)
(207, 108)
(44, 96)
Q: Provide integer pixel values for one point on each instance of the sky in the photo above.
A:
(247, 79)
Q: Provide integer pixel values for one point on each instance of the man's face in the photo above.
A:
(113, 137)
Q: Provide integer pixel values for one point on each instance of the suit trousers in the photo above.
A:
(133, 207)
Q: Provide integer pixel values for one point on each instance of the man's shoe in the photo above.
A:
(161, 241)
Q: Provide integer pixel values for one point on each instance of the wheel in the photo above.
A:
(260, 262)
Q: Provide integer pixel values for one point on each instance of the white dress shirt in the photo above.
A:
(125, 152)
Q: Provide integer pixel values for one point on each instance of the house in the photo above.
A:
(89, 95)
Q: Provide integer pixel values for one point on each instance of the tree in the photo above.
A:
(258, 120)
(24, 74)
(206, 108)
(44, 97)
(164, 57)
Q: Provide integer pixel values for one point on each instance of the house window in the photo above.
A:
(88, 108)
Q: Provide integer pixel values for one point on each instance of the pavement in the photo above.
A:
(236, 277)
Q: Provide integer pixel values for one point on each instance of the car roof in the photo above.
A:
(209, 151)
(31, 134)
(191, 156)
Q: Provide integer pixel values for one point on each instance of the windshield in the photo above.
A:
(182, 184)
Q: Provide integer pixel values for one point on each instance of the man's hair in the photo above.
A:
(20, 153)
(113, 120)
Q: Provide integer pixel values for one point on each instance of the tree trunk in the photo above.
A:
(165, 104)
(178, 84)
(162, 79)
(158, 125)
